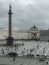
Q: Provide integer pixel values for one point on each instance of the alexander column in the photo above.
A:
(10, 38)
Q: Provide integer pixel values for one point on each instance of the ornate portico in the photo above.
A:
(35, 34)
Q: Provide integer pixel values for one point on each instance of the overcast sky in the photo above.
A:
(26, 13)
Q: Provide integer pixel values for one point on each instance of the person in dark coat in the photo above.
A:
(2, 50)
(14, 58)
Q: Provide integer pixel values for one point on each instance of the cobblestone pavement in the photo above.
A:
(21, 61)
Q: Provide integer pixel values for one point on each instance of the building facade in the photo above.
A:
(44, 35)
(33, 33)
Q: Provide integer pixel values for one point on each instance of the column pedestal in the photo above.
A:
(10, 41)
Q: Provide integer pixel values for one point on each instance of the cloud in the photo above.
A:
(26, 13)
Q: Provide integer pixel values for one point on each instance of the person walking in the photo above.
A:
(14, 58)
(2, 50)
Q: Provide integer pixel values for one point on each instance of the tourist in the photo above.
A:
(24, 49)
(14, 58)
(27, 50)
(46, 63)
(15, 48)
(2, 50)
